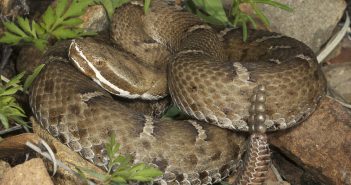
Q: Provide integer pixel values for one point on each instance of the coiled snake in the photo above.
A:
(269, 83)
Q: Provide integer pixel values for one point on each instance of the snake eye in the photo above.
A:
(99, 62)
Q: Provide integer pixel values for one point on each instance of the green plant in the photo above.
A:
(147, 5)
(120, 168)
(58, 22)
(111, 5)
(9, 108)
(213, 12)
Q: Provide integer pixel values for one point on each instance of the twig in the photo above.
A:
(6, 53)
(276, 173)
(335, 41)
(58, 162)
(17, 127)
(25, 127)
(51, 154)
(329, 48)
(14, 128)
(3, 78)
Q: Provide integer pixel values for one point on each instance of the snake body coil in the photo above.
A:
(209, 76)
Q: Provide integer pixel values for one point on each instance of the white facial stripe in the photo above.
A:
(101, 80)
(74, 44)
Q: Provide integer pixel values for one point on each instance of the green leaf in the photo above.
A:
(141, 178)
(244, 31)
(38, 29)
(11, 91)
(235, 8)
(214, 11)
(147, 5)
(93, 174)
(274, 4)
(10, 38)
(4, 121)
(72, 22)
(24, 24)
(137, 167)
(15, 80)
(20, 121)
(48, 18)
(108, 7)
(149, 172)
(124, 170)
(111, 5)
(12, 27)
(172, 112)
(77, 8)
(111, 146)
(40, 44)
(5, 100)
(63, 33)
(81, 32)
(15, 111)
(119, 180)
(260, 14)
(60, 7)
(16, 106)
(28, 82)
(252, 21)
(123, 173)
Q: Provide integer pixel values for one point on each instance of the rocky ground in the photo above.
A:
(316, 152)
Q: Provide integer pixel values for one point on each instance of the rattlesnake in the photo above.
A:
(212, 76)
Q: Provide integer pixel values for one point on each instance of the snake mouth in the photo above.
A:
(82, 63)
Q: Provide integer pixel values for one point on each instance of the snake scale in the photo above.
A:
(269, 83)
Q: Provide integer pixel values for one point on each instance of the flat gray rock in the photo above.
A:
(311, 22)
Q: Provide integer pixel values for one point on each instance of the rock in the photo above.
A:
(13, 8)
(95, 19)
(16, 144)
(320, 145)
(342, 52)
(4, 167)
(31, 172)
(311, 22)
(338, 77)
(272, 178)
(338, 72)
(67, 156)
(292, 172)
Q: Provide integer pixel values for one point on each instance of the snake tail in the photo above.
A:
(257, 158)
(256, 161)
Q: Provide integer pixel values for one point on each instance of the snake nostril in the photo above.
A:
(99, 63)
